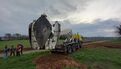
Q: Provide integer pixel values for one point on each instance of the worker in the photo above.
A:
(6, 50)
(74, 37)
(12, 51)
(18, 50)
(21, 46)
(80, 39)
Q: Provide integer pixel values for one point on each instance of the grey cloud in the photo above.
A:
(17, 14)
(96, 29)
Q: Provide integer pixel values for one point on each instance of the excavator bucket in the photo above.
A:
(39, 32)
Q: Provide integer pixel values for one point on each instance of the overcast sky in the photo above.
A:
(88, 17)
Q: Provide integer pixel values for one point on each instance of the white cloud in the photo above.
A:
(97, 9)
(86, 12)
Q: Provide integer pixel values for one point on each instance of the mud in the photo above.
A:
(104, 44)
(57, 61)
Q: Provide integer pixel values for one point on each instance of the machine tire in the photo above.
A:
(74, 48)
(69, 50)
(65, 50)
(53, 51)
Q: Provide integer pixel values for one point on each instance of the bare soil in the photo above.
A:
(57, 61)
(104, 44)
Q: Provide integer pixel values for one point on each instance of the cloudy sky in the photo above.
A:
(88, 17)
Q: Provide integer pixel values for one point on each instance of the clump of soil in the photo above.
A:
(57, 61)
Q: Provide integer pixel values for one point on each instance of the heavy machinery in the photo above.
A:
(43, 35)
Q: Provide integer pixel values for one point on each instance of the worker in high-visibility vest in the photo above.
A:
(80, 37)
(74, 37)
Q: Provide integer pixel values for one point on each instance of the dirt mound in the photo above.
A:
(57, 61)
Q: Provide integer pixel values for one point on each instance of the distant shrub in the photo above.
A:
(119, 30)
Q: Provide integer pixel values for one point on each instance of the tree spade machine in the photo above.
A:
(43, 35)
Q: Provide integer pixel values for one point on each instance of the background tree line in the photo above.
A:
(16, 36)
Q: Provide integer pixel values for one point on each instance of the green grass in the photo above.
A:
(94, 58)
(99, 58)
(14, 42)
(22, 62)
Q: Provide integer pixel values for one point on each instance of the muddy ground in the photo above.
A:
(104, 44)
(59, 61)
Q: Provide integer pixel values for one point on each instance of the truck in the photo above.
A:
(44, 35)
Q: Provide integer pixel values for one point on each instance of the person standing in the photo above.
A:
(18, 49)
(6, 50)
(21, 46)
(12, 51)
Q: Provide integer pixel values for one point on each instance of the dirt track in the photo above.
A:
(57, 61)
(106, 44)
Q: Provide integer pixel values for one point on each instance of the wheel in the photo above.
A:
(69, 50)
(80, 46)
(65, 50)
(53, 52)
(74, 48)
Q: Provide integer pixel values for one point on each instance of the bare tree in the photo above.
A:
(119, 30)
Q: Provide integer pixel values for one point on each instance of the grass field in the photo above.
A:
(94, 58)
(14, 42)
(22, 62)
(99, 58)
